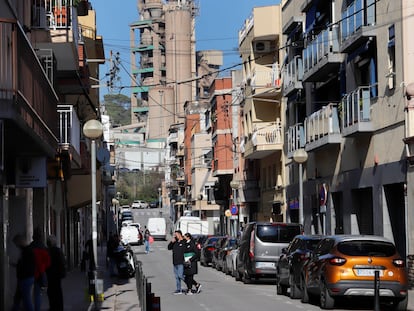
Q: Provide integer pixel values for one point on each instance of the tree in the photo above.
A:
(118, 107)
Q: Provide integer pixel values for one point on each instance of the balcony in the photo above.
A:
(266, 80)
(69, 131)
(321, 57)
(358, 24)
(65, 34)
(293, 75)
(28, 99)
(356, 112)
(295, 139)
(322, 128)
(265, 140)
(250, 191)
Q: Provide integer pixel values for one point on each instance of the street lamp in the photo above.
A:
(234, 185)
(93, 129)
(300, 156)
(199, 198)
(159, 198)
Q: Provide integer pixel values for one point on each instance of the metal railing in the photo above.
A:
(148, 301)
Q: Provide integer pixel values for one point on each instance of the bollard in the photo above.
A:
(156, 303)
(376, 291)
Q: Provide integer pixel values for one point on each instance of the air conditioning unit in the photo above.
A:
(262, 46)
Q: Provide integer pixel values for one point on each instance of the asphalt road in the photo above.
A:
(220, 292)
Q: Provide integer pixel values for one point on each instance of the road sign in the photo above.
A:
(234, 210)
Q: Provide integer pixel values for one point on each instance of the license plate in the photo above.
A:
(368, 272)
(263, 265)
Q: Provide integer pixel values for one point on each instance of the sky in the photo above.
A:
(217, 26)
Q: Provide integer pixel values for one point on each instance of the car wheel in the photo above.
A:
(295, 292)
(246, 278)
(401, 305)
(326, 300)
(225, 270)
(305, 293)
(237, 275)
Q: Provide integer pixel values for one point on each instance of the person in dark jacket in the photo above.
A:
(177, 246)
(191, 257)
(25, 270)
(42, 259)
(55, 273)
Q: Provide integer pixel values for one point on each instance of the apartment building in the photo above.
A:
(46, 98)
(345, 77)
(262, 143)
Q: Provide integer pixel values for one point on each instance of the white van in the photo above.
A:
(193, 225)
(157, 228)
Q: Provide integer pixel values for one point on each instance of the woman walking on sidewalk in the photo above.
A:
(191, 257)
(147, 237)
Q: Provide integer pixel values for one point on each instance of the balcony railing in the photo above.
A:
(268, 135)
(358, 14)
(23, 79)
(267, 76)
(295, 138)
(293, 75)
(356, 111)
(69, 128)
(324, 43)
(54, 14)
(322, 127)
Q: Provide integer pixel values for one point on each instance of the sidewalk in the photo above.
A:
(119, 294)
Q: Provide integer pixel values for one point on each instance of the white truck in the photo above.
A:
(193, 225)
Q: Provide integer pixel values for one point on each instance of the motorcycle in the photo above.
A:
(124, 258)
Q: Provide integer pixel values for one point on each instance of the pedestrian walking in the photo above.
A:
(191, 257)
(25, 270)
(177, 247)
(42, 260)
(111, 246)
(55, 273)
(147, 240)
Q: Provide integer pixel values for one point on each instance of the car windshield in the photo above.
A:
(367, 248)
(276, 233)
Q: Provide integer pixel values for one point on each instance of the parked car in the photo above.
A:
(138, 226)
(260, 247)
(126, 217)
(231, 262)
(139, 204)
(218, 246)
(129, 235)
(157, 227)
(291, 262)
(223, 252)
(345, 266)
(199, 240)
(154, 204)
(207, 250)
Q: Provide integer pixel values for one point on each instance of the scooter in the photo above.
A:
(124, 261)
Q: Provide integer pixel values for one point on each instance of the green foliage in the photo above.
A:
(138, 185)
(118, 107)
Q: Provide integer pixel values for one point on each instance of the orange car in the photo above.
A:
(345, 265)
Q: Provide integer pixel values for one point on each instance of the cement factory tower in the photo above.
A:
(163, 65)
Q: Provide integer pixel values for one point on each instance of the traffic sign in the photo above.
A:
(234, 210)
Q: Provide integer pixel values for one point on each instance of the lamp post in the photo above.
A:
(300, 156)
(199, 198)
(93, 130)
(159, 198)
(234, 185)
